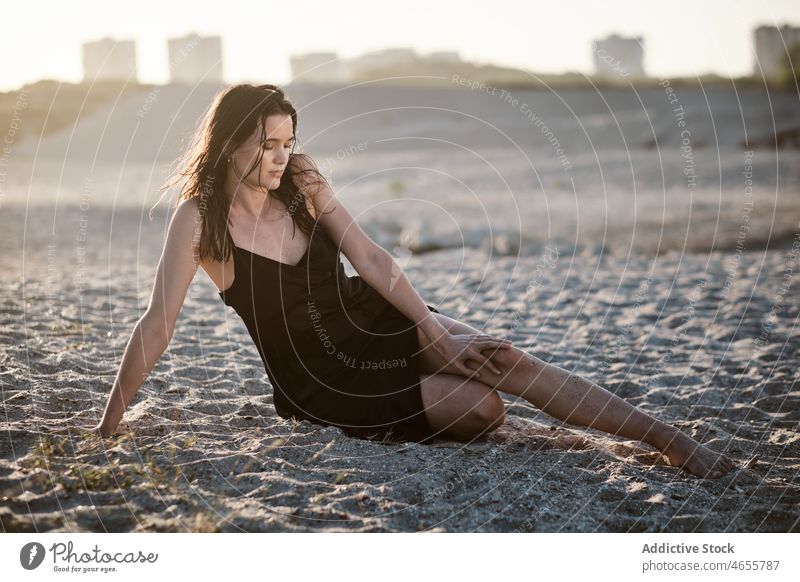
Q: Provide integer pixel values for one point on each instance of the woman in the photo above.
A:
(364, 353)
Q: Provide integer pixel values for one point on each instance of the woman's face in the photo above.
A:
(274, 153)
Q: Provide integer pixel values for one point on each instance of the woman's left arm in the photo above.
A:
(381, 272)
(387, 277)
(374, 264)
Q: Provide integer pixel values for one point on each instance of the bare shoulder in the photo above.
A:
(188, 216)
(185, 226)
(188, 208)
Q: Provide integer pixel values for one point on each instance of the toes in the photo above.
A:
(721, 468)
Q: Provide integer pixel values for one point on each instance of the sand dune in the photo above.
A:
(152, 126)
(446, 167)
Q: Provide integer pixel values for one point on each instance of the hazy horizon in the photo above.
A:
(680, 39)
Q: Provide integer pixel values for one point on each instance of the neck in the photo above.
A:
(247, 200)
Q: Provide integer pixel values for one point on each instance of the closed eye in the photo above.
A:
(288, 146)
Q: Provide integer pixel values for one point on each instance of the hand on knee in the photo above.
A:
(510, 359)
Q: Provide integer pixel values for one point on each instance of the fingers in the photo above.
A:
(484, 361)
(492, 348)
(488, 363)
(474, 351)
(469, 372)
(487, 340)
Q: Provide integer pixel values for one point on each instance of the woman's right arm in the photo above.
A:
(153, 331)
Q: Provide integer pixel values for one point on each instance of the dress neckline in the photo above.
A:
(282, 264)
(273, 261)
(288, 265)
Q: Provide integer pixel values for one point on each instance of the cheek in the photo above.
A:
(247, 159)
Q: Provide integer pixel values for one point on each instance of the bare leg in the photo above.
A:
(579, 401)
(576, 400)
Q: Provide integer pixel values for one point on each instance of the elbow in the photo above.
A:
(376, 265)
(382, 271)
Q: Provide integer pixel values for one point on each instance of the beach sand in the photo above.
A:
(578, 223)
(705, 341)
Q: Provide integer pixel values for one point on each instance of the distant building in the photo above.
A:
(317, 68)
(771, 47)
(617, 56)
(195, 59)
(381, 59)
(109, 59)
(328, 67)
(450, 56)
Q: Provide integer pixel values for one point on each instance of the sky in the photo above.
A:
(43, 39)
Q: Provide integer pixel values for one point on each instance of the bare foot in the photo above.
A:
(685, 452)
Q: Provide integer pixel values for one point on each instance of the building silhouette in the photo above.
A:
(195, 59)
(771, 46)
(618, 56)
(109, 60)
(328, 67)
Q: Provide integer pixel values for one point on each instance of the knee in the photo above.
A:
(491, 412)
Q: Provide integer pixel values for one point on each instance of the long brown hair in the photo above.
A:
(236, 114)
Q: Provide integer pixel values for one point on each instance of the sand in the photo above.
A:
(706, 341)
(580, 226)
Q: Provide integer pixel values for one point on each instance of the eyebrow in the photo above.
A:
(276, 139)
